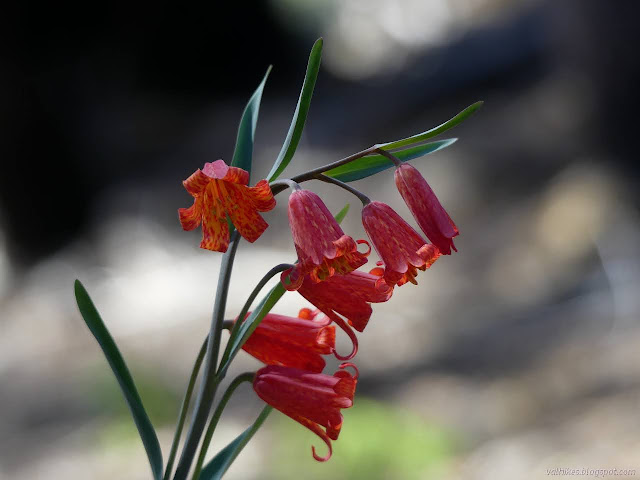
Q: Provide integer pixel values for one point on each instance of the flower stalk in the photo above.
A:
(210, 381)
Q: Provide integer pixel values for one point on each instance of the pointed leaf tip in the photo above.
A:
(300, 114)
(421, 137)
(342, 213)
(119, 367)
(243, 152)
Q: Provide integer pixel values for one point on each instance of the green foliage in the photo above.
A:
(300, 114)
(216, 468)
(421, 137)
(342, 213)
(371, 164)
(121, 372)
(376, 442)
(243, 153)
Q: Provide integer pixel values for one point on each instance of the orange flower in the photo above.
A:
(220, 191)
(402, 250)
(434, 221)
(312, 399)
(292, 342)
(323, 248)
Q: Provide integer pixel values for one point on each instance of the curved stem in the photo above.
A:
(277, 187)
(361, 196)
(227, 325)
(247, 305)
(210, 381)
(244, 377)
(283, 183)
(183, 409)
(396, 161)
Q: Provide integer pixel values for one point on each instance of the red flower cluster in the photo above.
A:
(326, 275)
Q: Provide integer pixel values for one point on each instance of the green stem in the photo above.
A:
(244, 377)
(247, 305)
(361, 196)
(209, 384)
(183, 409)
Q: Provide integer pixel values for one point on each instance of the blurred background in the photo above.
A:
(519, 354)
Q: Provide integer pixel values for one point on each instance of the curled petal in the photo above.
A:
(191, 218)
(292, 278)
(196, 183)
(315, 428)
(360, 242)
(352, 336)
(349, 364)
(261, 196)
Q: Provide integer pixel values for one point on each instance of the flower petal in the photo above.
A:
(261, 196)
(196, 183)
(219, 170)
(190, 218)
(215, 231)
(238, 205)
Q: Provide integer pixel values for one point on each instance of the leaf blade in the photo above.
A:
(217, 467)
(372, 164)
(116, 362)
(421, 137)
(342, 213)
(300, 114)
(243, 151)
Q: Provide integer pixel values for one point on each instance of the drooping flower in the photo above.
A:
(292, 342)
(349, 295)
(434, 221)
(323, 248)
(312, 399)
(402, 250)
(220, 191)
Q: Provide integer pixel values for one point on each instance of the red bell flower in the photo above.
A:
(312, 399)
(220, 191)
(323, 248)
(434, 221)
(292, 342)
(348, 295)
(402, 250)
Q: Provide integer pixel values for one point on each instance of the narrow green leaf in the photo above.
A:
(183, 409)
(300, 115)
(252, 322)
(119, 367)
(243, 152)
(342, 213)
(217, 467)
(420, 137)
(372, 164)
